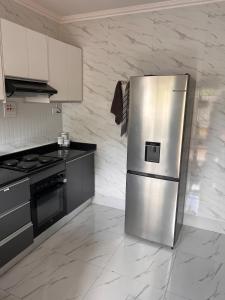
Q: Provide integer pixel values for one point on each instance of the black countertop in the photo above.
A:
(46, 149)
(68, 154)
(9, 176)
(76, 150)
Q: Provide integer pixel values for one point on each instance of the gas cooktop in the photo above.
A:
(27, 163)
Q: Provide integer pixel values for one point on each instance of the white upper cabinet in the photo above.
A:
(28, 54)
(75, 74)
(37, 55)
(14, 46)
(57, 60)
(25, 52)
(65, 71)
(2, 84)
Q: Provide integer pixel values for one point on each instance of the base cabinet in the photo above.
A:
(16, 243)
(88, 177)
(80, 181)
(16, 229)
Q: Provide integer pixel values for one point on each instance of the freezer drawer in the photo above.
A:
(151, 208)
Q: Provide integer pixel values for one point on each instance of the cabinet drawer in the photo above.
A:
(14, 220)
(14, 195)
(12, 246)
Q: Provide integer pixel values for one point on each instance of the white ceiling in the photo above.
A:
(68, 11)
(70, 7)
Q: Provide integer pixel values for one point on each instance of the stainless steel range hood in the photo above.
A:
(24, 88)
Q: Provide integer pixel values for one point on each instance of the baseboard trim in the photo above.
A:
(204, 223)
(109, 201)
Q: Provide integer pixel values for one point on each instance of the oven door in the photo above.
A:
(47, 203)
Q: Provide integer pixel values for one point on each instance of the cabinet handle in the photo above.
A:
(6, 189)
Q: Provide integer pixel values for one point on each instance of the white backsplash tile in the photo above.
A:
(33, 125)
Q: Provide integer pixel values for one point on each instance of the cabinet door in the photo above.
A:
(75, 74)
(2, 83)
(88, 177)
(14, 195)
(14, 43)
(16, 243)
(58, 74)
(37, 55)
(74, 184)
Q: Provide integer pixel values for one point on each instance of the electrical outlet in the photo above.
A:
(56, 110)
(10, 110)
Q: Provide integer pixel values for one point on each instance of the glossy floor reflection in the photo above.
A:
(92, 259)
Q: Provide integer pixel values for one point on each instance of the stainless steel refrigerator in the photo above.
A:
(159, 130)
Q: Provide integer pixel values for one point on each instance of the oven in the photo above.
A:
(47, 201)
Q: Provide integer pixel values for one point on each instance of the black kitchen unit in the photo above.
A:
(84, 187)
(47, 198)
(47, 176)
(16, 229)
(80, 175)
(38, 187)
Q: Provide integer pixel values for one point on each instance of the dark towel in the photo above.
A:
(117, 104)
(125, 110)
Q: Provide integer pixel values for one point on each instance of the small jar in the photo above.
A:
(66, 143)
(65, 135)
(60, 141)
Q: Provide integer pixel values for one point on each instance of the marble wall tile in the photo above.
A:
(173, 41)
(19, 14)
(34, 123)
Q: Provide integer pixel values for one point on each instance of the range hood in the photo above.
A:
(21, 88)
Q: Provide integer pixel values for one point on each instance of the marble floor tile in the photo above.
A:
(84, 227)
(112, 285)
(68, 238)
(91, 258)
(197, 278)
(67, 281)
(37, 277)
(172, 296)
(7, 296)
(21, 270)
(94, 214)
(202, 243)
(144, 262)
(97, 249)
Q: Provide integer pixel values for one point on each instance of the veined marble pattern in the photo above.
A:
(91, 258)
(181, 40)
(16, 13)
